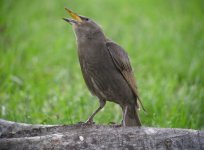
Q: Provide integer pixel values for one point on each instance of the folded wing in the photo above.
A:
(122, 63)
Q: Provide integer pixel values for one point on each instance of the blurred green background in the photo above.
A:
(40, 77)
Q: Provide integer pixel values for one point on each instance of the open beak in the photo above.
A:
(75, 18)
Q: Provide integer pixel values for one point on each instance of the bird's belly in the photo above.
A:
(101, 76)
(106, 82)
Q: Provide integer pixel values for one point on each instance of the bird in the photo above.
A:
(106, 69)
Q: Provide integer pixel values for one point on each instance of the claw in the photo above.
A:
(87, 123)
(114, 125)
(80, 123)
(111, 123)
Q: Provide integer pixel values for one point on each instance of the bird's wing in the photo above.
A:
(122, 63)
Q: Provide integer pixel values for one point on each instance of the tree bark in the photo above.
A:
(30, 137)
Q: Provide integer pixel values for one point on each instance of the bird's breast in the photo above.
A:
(96, 65)
(91, 48)
(94, 55)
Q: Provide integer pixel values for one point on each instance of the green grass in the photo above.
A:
(40, 77)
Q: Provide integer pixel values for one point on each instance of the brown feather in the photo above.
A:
(121, 60)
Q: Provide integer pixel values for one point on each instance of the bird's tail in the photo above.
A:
(130, 116)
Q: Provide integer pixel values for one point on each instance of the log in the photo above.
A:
(30, 137)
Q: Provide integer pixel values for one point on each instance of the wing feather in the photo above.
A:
(121, 61)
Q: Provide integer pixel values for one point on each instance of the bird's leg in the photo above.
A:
(113, 124)
(124, 115)
(102, 104)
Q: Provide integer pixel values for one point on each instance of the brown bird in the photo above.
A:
(106, 69)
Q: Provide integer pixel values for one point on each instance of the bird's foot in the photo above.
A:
(89, 122)
(80, 123)
(85, 124)
(111, 123)
(114, 125)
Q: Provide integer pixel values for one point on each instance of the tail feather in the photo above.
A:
(130, 116)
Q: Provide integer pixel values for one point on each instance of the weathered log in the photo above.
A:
(25, 136)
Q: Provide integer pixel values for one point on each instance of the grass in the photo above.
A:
(40, 77)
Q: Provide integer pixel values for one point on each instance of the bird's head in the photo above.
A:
(84, 27)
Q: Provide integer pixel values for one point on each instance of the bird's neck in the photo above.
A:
(96, 36)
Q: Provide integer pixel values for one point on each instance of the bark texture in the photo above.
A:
(25, 136)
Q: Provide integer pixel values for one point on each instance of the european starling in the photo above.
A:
(106, 69)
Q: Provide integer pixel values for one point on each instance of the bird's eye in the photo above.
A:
(87, 19)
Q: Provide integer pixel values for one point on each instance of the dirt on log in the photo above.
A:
(30, 137)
